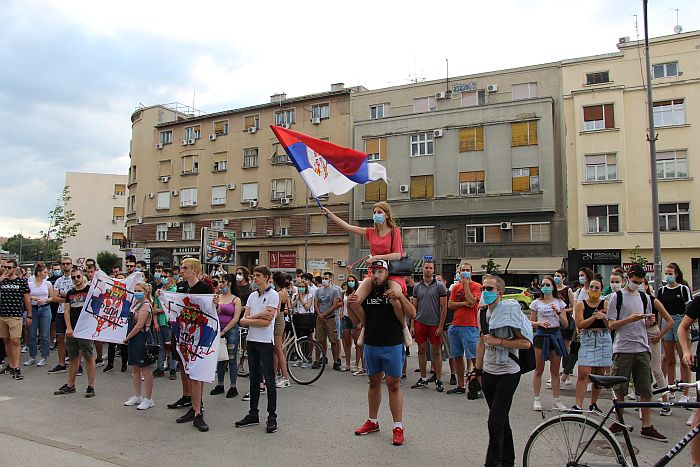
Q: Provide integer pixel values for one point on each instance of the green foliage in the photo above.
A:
(107, 260)
(636, 257)
(62, 226)
(31, 248)
(490, 266)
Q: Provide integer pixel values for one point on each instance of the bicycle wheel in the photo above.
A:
(560, 440)
(300, 361)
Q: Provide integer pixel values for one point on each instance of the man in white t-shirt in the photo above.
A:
(260, 311)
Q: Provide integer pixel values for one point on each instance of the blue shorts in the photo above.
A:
(672, 335)
(348, 324)
(388, 359)
(463, 340)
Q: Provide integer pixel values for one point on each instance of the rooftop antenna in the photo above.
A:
(677, 28)
(447, 76)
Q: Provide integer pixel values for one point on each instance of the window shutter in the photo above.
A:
(595, 159)
(317, 224)
(249, 122)
(429, 187)
(609, 111)
(592, 113)
(117, 236)
(383, 148)
(479, 143)
(532, 127)
(118, 212)
(417, 187)
(467, 177)
(493, 234)
(519, 134)
(375, 191)
(521, 233)
(465, 139)
(372, 146)
(534, 171)
(164, 168)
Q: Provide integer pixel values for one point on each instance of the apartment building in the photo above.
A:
(474, 169)
(226, 170)
(99, 204)
(607, 154)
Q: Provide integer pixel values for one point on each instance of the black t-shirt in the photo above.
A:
(693, 312)
(199, 288)
(382, 328)
(674, 299)
(12, 297)
(588, 312)
(244, 292)
(54, 305)
(76, 298)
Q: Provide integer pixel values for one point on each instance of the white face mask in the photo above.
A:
(632, 286)
(616, 287)
(239, 277)
(325, 282)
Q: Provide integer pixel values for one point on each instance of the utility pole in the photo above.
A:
(656, 234)
(306, 229)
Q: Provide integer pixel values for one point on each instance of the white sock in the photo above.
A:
(398, 425)
(374, 420)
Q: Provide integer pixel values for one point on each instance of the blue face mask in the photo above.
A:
(224, 289)
(557, 280)
(466, 274)
(547, 290)
(670, 279)
(351, 284)
(582, 280)
(157, 275)
(489, 296)
(57, 273)
(378, 218)
(301, 289)
(176, 277)
(137, 270)
(139, 296)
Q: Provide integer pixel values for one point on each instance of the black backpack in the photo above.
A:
(526, 357)
(618, 304)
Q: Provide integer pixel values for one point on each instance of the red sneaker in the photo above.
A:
(398, 436)
(368, 427)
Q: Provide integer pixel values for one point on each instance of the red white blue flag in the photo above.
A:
(327, 167)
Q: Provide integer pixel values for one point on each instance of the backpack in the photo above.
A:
(525, 358)
(618, 304)
(685, 293)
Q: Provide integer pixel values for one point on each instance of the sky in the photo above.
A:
(73, 71)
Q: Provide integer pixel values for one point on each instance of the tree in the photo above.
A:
(490, 266)
(107, 260)
(27, 249)
(62, 226)
(636, 257)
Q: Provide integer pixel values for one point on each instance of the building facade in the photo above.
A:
(608, 160)
(99, 204)
(474, 169)
(226, 171)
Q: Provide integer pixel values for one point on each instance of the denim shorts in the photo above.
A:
(463, 340)
(388, 359)
(348, 324)
(672, 335)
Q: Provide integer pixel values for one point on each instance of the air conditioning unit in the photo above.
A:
(151, 196)
(286, 125)
(183, 142)
(169, 225)
(437, 133)
(252, 130)
(247, 234)
(269, 232)
(623, 40)
(254, 204)
(174, 193)
(231, 186)
(185, 203)
(114, 196)
(212, 137)
(114, 221)
(176, 224)
(506, 226)
(342, 263)
(284, 200)
(225, 221)
(159, 146)
(164, 179)
(440, 95)
(284, 231)
(492, 88)
(316, 120)
(139, 220)
(403, 188)
(191, 141)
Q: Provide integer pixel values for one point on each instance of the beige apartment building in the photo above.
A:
(99, 203)
(226, 170)
(607, 154)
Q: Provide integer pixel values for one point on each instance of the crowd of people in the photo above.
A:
(616, 325)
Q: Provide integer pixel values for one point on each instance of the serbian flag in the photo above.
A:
(327, 167)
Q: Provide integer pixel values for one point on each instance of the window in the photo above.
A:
(249, 192)
(220, 161)
(471, 139)
(282, 188)
(162, 232)
(117, 238)
(165, 168)
(472, 183)
(418, 236)
(321, 111)
(250, 158)
(422, 144)
(531, 233)
(667, 113)
(484, 234)
(190, 165)
(598, 117)
(248, 227)
(424, 104)
(218, 195)
(375, 148)
(188, 231)
(278, 159)
(221, 128)
(163, 201)
(192, 132)
(318, 225)
(166, 137)
(523, 133)
(251, 121)
(132, 174)
(603, 219)
(469, 99)
(131, 204)
(375, 191)
(422, 187)
(120, 189)
(598, 77)
(376, 111)
(118, 213)
(284, 117)
(674, 216)
(601, 167)
(523, 91)
(188, 197)
(526, 179)
(671, 164)
(282, 226)
(666, 70)
(217, 225)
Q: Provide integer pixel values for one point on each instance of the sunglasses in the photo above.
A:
(488, 288)
(8, 267)
(76, 278)
(66, 264)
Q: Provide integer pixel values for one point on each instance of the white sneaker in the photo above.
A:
(557, 404)
(30, 362)
(683, 398)
(146, 404)
(407, 340)
(297, 363)
(568, 384)
(632, 396)
(133, 400)
(42, 362)
(100, 363)
(537, 405)
(282, 383)
(690, 419)
(548, 383)
(24, 349)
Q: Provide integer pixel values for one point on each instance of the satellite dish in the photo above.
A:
(678, 29)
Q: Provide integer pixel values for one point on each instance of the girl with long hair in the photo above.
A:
(230, 311)
(41, 295)
(137, 338)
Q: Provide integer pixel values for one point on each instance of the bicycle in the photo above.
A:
(299, 352)
(243, 370)
(573, 438)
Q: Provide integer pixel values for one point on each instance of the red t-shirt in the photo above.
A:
(466, 316)
(383, 245)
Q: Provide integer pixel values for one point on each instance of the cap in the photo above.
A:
(378, 264)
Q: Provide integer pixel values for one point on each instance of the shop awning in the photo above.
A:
(536, 265)
(477, 264)
(417, 266)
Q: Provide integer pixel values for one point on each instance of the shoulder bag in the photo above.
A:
(400, 267)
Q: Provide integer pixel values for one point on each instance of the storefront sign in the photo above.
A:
(313, 265)
(283, 259)
(600, 256)
(648, 268)
(462, 87)
(190, 250)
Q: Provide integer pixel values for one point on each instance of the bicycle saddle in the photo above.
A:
(607, 381)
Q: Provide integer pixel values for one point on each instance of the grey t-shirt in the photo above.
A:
(428, 310)
(325, 297)
(631, 338)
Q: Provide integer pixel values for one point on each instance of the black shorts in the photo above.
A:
(60, 324)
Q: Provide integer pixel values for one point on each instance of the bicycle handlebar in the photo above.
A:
(679, 386)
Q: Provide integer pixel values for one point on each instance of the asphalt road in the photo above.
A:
(316, 425)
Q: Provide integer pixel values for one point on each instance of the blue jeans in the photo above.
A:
(163, 336)
(41, 321)
(233, 338)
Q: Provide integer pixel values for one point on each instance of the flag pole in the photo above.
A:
(320, 206)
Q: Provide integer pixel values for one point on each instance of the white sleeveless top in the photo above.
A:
(40, 292)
